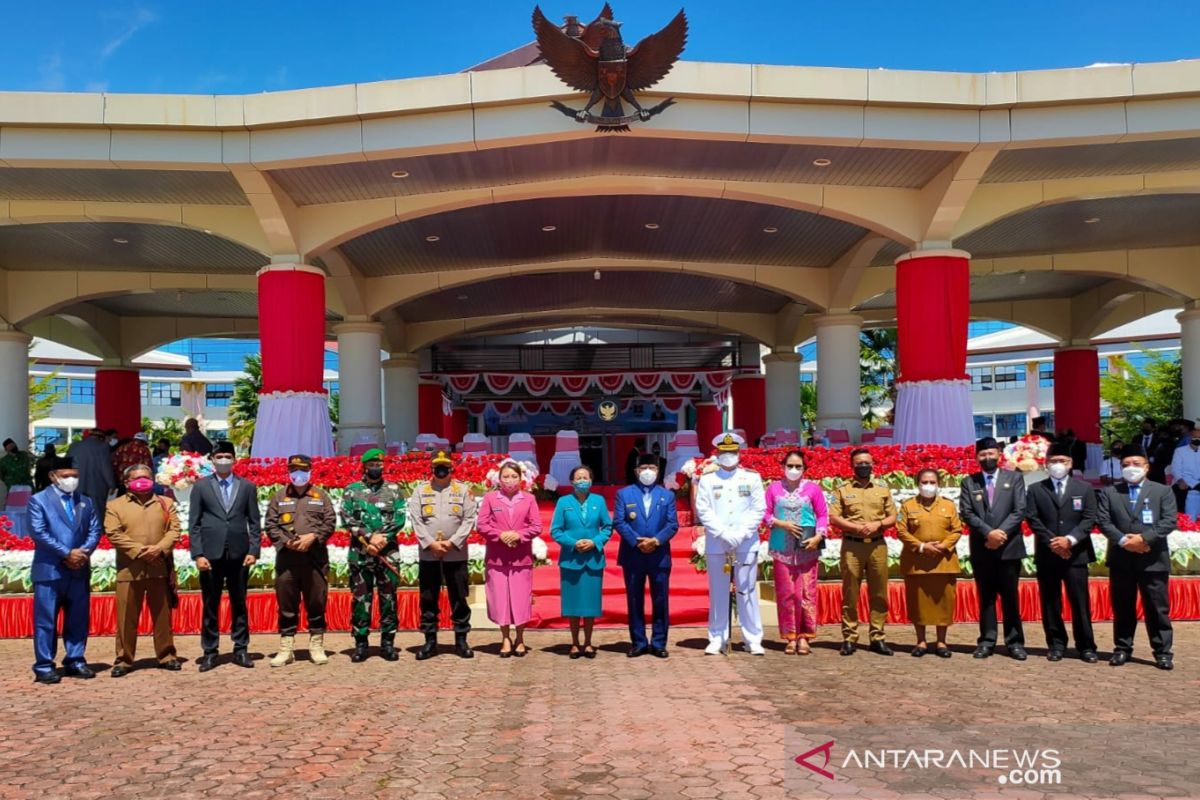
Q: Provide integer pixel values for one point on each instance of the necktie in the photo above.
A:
(69, 506)
(991, 488)
(1058, 488)
(225, 493)
(1133, 494)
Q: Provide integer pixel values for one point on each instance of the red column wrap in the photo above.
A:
(1077, 392)
(749, 394)
(291, 315)
(118, 401)
(933, 308)
(708, 425)
(429, 409)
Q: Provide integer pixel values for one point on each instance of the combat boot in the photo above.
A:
(461, 647)
(316, 648)
(429, 649)
(360, 651)
(285, 655)
(387, 648)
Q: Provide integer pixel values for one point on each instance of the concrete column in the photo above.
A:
(839, 374)
(1189, 357)
(360, 383)
(14, 393)
(783, 391)
(1032, 407)
(400, 381)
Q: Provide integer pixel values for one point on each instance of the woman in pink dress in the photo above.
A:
(509, 521)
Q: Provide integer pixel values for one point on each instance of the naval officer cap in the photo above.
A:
(728, 442)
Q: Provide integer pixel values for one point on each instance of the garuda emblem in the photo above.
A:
(594, 59)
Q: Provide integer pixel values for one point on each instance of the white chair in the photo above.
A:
(566, 456)
(686, 446)
(520, 448)
(884, 435)
(476, 445)
(785, 437)
(838, 437)
(768, 441)
(426, 442)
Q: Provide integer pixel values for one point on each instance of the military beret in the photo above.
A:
(299, 462)
(374, 454)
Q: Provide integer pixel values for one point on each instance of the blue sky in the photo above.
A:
(223, 47)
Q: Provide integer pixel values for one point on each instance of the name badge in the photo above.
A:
(1077, 504)
(1147, 516)
(743, 491)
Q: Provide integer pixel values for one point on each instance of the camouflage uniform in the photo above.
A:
(368, 509)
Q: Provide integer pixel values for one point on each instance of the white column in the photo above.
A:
(14, 391)
(1189, 359)
(839, 374)
(401, 376)
(359, 383)
(783, 391)
(1032, 405)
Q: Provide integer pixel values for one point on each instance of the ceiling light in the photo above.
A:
(596, 275)
(462, 297)
(821, 162)
(1021, 278)
(549, 228)
(1091, 220)
(120, 240)
(433, 238)
(651, 226)
(398, 174)
(770, 229)
(206, 230)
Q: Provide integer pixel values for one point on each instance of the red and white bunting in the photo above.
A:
(574, 385)
(499, 382)
(611, 383)
(463, 384)
(648, 382)
(538, 385)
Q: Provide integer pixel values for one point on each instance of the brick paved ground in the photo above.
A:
(545, 726)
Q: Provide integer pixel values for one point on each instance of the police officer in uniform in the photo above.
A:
(443, 513)
(300, 520)
(731, 504)
(373, 510)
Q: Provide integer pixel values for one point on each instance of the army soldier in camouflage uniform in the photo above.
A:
(374, 513)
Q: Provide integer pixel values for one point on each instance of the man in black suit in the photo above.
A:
(226, 539)
(1061, 510)
(1136, 516)
(992, 504)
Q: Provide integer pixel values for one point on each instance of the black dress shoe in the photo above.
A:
(360, 653)
(638, 651)
(428, 650)
(48, 678)
(943, 652)
(242, 659)
(879, 646)
(1089, 656)
(207, 662)
(1119, 658)
(387, 649)
(1164, 662)
(659, 652)
(119, 671)
(79, 671)
(982, 651)
(919, 651)
(462, 648)
(848, 649)
(1017, 653)
(173, 665)
(1054, 655)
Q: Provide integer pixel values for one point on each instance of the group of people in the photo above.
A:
(731, 505)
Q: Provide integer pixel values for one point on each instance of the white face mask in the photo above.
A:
(727, 460)
(794, 473)
(1059, 471)
(648, 476)
(928, 489)
(1133, 474)
(68, 485)
(223, 465)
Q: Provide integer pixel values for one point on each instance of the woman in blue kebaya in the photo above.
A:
(582, 526)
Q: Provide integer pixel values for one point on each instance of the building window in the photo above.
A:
(983, 425)
(83, 391)
(161, 393)
(1009, 425)
(1010, 377)
(808, 377)
(331, 387)
(1046, 375)
(45, 436)
(218, 394)
(981, 378)
(55, 387)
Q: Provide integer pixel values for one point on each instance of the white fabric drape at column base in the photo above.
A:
(934, 412)
(290, 423)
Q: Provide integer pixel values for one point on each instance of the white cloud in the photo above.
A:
(50, 74)
(140, 18)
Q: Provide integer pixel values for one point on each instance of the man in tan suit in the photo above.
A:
(143, 528)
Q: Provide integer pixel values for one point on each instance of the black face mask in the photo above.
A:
(374, 473)
(441, 472)
(1195, 442)
(862, 470)
(989, 464)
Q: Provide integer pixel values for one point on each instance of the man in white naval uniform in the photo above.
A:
(730, 504)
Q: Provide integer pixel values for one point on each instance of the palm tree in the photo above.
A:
(243, 405)
(808, 406)
(877, 362)
(166, 428)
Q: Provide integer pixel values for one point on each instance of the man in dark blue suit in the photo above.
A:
(646, 520)
(65, 529)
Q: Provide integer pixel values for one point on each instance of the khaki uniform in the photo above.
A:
(863, 557)
(929, 577)
(298, 574)
(131, 526)
(440, 515)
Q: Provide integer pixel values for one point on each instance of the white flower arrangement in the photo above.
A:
(181, 471)
(550, 484)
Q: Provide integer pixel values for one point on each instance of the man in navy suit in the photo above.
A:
(65, 529)
(646, 520)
